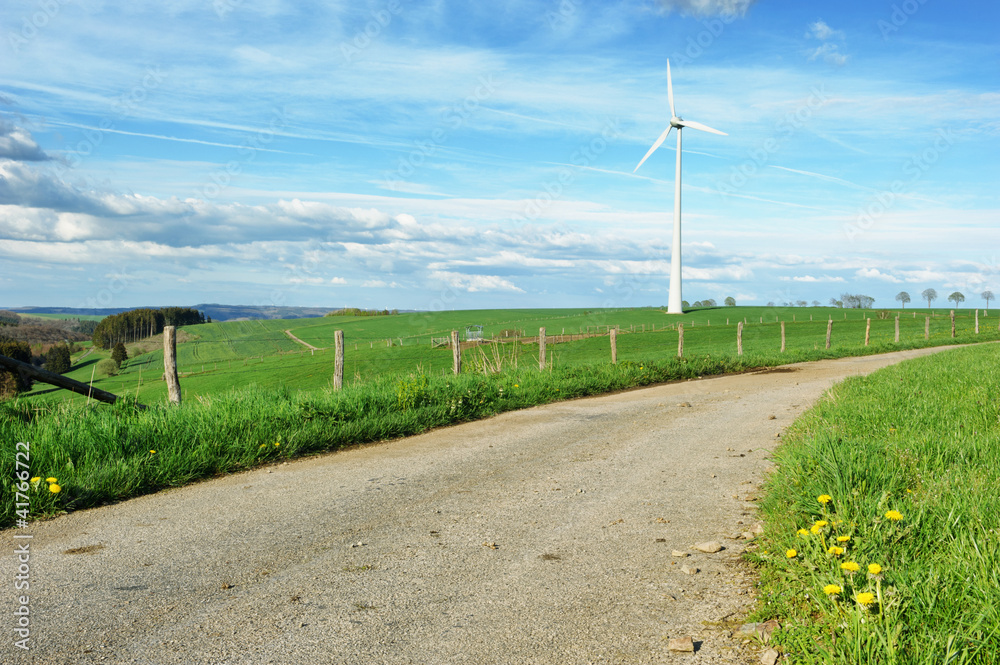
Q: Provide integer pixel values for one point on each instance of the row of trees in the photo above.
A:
(136, 324)
(709, 302)
(8, 318)
(930, 295)
(357, 311)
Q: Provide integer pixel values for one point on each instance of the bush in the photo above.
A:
(12, 382)
(107, 367)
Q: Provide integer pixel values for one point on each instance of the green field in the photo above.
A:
(219, 356)
(909, 460)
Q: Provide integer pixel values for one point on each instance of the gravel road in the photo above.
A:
(541, 536)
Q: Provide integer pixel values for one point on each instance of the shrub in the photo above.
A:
(57, 359)
(107, 367)
(119, 354)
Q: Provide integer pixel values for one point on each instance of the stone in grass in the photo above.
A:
(710, 547)
(681, 644)
(769, 657)
(689, 570)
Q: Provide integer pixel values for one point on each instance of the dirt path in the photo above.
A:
(305, 344)
(541, 536)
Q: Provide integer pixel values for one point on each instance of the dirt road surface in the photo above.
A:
(540, 536)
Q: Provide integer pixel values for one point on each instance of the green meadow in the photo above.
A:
(217, 357)
(883, 518)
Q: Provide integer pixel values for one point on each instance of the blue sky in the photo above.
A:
(428, 155)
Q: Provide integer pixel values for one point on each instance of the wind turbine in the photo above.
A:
(674, 304)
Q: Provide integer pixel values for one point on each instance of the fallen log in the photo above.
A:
(27, 370)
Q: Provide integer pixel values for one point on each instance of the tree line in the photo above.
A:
(137, 324)
(930, 295)
(357, 311)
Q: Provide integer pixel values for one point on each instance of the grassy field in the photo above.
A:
(900, 469)
(219, 356)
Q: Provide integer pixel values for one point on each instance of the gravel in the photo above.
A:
(540, 536)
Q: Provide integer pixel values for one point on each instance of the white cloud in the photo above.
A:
(474, 283)
(810, 278)
(708, 7)
(874, 273)
(338, 280)
(820, 30)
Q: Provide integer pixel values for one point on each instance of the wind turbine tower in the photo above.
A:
(674, 304)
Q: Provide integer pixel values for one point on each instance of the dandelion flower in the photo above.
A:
(803, 532)
(874, 569)
(865, 598)
(55, 489)
(516, 385)
(850, 566)
(894, 515)
(152, 452)
(277, 443)
(824, 498)
(821, 523)
(791, 554)
(831, 589)
(836, 551)
(815, 529)
(51, 480)
(843, 539)
(36, 479)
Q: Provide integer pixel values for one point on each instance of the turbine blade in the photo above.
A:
(705, 128)
(656, 145)
(670, 91)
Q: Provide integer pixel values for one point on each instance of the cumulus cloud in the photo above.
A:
(874, 273)
(474, 283)
(708, 7)
(17, 144)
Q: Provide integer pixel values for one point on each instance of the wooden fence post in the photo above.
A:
(456, 353)
(952, 323)
(868, 331)
(829, 331)
(897, 329)
(614, 346)
(977, 321)
(541, 349)
(782, 336)
(338, 359)
(927, 328)
(680, 340)
(739, 339)
(170, 364)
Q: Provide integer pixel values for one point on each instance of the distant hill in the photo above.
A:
(216, 311)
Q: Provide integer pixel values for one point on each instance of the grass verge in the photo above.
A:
(883, 518)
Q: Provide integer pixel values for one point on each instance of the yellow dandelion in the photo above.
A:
(850, 566)
(516, 385)
(874, 569)
(803, 532)
(36, 479)
(831, 589)
(55, 489)
(815, 529)
(821, 523)
(152, 452)
(791, 554)
(277, 443)
(836, 551)
(894, 515)
(865, 598)
(263, 445)
(824, 498)
(51, 480)
(843, 539)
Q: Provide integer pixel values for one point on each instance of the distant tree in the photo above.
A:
(801, 303)
(119, 354)
(708, 302)
(57, 359)
(957, 298)
(685, 304)
(770, 303)
(835, 303)
(730, 301)
(987, 296)
(929, 295)
(815, 303)
(8, 318)
(903, 297)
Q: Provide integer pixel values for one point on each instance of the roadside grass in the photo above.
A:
(900, 469)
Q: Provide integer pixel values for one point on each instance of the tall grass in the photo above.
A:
(910, 460)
